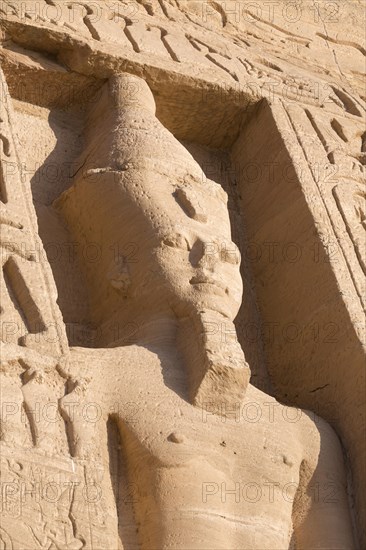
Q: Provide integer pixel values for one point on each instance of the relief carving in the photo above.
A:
(185, 381)
(144, 430)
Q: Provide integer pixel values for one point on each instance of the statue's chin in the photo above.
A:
(217, 301)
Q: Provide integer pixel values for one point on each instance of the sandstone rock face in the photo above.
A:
(182, 212)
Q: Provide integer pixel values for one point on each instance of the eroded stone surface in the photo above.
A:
(182, 202)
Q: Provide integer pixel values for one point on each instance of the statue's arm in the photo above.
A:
(14, 352)
(321, 512)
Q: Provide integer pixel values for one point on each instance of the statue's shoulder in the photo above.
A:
(121, 355)
(309, 429)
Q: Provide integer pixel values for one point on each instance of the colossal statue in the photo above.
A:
(162, 442)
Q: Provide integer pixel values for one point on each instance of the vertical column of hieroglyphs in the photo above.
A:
(29, 312)
(335, 147)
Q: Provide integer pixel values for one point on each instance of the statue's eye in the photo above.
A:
(190, 204)
(176, 240)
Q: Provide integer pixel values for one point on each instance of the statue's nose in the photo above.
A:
(207, 254)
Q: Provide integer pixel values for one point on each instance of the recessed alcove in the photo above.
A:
(288, 291)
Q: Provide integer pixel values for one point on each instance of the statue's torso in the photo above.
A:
(200, 478)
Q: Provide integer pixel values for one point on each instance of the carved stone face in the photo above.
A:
(163, 228)
(153, 250)
(196, 254)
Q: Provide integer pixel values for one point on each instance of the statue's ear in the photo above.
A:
(118, 275)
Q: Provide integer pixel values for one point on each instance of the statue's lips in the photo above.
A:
(204, 280)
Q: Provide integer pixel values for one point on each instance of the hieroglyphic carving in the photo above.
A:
(46, 484)
(30, 312)
(40, 501)
(334, 149)
(234, 62)
(351, 200)
(5, 540)
(215, 368)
